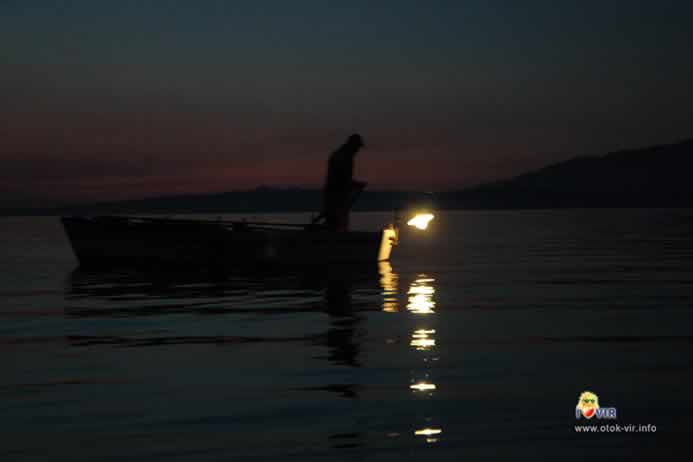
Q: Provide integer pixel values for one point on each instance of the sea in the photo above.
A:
(474, 342)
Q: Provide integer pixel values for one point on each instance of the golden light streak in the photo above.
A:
(423, 343)
(389, 282)
(423, 333)
(423, 386)
(421, 220)
(421, 296)
(428, 431)
(421, 339)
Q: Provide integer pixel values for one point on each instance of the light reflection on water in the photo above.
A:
(421, 303)
(345, 295)
(429, 434)
(423, 386)
(389, 281)
(422, 339)
(421, 294)
(265, 365)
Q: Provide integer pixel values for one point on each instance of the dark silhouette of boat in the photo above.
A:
(140, 241)
(143, 241)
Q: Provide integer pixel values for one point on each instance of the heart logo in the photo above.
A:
(588, 412)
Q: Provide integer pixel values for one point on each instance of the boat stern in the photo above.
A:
(387, 242)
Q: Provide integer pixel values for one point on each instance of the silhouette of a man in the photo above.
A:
(340, 187)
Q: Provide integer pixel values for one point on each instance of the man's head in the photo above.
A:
(355, 140)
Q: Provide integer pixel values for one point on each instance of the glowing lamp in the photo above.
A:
(419, 210)
(421, 220)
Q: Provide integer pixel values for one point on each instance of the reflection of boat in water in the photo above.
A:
(136, 241)
(319, 325)
(342, 292)
(153, 291)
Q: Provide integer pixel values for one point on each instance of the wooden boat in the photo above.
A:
(143, 241)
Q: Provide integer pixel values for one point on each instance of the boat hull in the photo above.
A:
(126, 241)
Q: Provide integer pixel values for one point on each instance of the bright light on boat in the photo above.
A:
(421, 220)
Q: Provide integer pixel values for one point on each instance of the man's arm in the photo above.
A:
(356, 188)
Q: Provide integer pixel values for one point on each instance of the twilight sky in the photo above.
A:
(123, 99)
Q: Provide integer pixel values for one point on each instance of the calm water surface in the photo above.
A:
(473, 342)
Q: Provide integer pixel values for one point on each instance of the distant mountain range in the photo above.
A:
(656, 176)
(259, 200)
